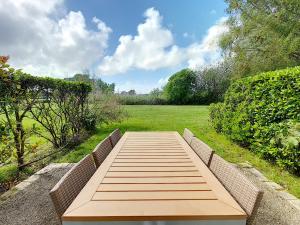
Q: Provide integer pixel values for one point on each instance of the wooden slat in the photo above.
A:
(152, 143)
(149, 169)
(165, 195)
(151, 153)
(152, 157)
(153, 164)
(150, 146)
(153, 160)
(153, 174)
(153, 187)
(154, 180)
(152, 149)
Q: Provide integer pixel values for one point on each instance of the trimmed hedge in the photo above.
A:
(263, 112)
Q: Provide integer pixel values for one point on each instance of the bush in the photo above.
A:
(104, 108)
(8, 173)
(262, 112)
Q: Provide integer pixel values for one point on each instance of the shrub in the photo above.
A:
(105, 108)
(8, 173)
(263, 112)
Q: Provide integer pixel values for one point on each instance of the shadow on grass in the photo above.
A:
(74, 155)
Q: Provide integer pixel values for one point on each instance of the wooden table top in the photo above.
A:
(153, 176)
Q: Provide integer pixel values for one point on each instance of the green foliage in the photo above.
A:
(96, 83)
(263, 112)
(8, 173)
(212, 83)
(199, 87)
(180, 88)
(154, 98)
(105, 108)
(6, 142)
(59, 106)
(62, 112)
(105, 87)
(263, 35)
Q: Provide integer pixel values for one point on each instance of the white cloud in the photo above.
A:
(207, 51)
(152, 48)
(43, 39)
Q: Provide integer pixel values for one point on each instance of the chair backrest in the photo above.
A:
(69, 186)
(101, 151)
(244, 192)
(188, 135)
(115, 136)
(202, 150)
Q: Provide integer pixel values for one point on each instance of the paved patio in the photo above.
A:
(30, 203)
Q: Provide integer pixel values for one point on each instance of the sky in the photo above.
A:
(137, 44)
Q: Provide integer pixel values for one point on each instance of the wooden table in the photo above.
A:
(153, 178)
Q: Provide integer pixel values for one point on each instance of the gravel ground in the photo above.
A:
(32, 206)
(273, 209)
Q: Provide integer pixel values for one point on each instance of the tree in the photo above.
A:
(212, 83)
(132, 92)
(180, 88)
(85, 77)
(59, 106)
(263, 35)
(104, 87)
(17, 96)
(97, 83)
(156, 93)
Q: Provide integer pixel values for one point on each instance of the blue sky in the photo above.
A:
(137, 44)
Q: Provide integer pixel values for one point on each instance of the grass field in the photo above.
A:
(176, 118)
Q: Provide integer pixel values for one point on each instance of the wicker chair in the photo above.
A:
(188, 135)
(244, 192)
(202, 150)
(115, 136)
(69, 186)
(101, 151)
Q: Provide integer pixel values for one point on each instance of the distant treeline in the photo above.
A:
(186, 87)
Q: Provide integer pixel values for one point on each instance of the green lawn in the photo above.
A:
(176, 118)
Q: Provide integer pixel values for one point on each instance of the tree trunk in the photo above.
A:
(19, 140)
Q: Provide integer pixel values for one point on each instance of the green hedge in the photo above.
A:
(263, 112)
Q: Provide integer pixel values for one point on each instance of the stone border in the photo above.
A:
(26, 183)
(281, 191)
